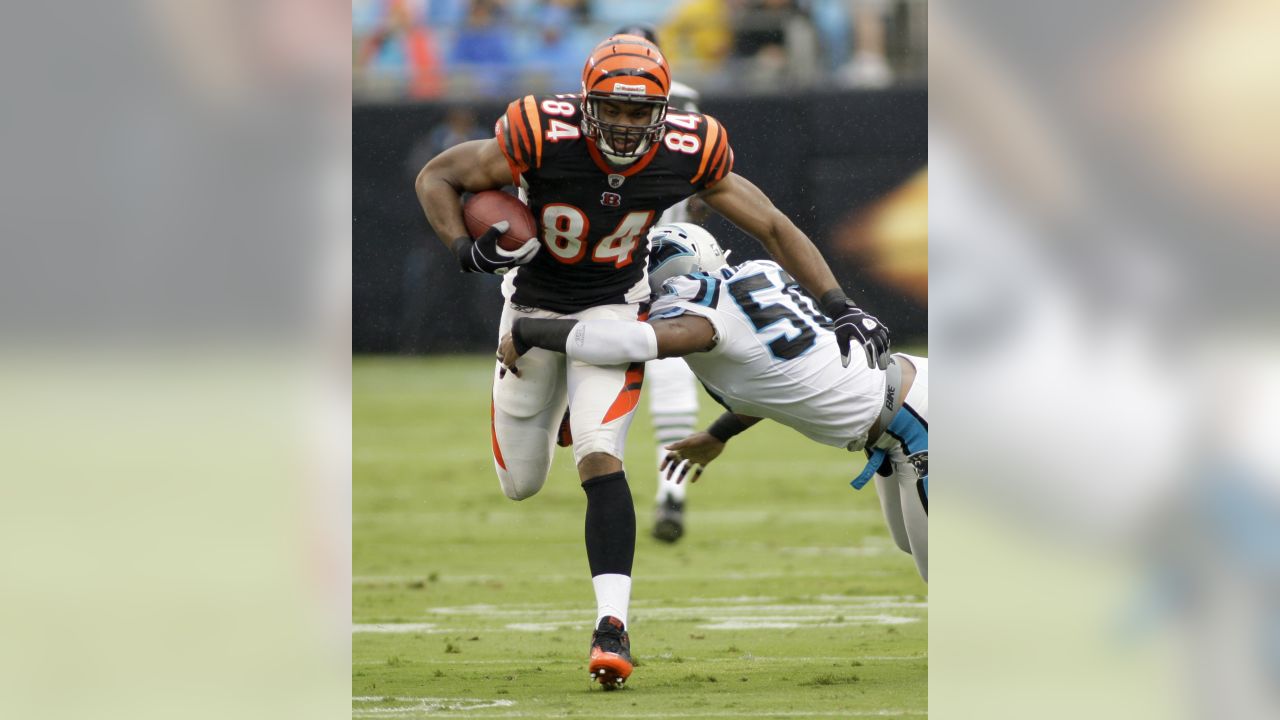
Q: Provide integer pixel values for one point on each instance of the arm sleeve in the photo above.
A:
(612, 342)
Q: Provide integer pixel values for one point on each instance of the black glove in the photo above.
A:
(849, 322)
(484, 255)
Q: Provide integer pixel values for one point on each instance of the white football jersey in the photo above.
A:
(775, 355)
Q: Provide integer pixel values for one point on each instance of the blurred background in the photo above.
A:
(468, 49)
(1104, 324)
(825, 104)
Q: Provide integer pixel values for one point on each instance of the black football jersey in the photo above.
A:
(594, 218)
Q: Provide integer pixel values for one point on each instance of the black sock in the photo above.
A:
(611, 524)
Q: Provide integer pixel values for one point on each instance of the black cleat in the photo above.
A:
(668, 523)
(610, 654)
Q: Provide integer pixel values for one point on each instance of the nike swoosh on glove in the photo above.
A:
(851, 323)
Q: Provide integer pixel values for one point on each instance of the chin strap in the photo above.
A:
(622, 159)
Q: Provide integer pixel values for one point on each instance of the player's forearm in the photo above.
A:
(797, 254)
(598, 342)
(441, 200)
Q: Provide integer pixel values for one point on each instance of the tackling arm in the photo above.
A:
(609, 342)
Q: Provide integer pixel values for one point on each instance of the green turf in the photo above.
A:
(493, 602)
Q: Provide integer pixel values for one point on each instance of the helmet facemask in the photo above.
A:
(625, 69)
(621, 142)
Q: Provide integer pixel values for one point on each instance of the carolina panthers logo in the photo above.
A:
(921, 462)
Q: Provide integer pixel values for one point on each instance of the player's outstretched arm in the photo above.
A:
(746, 206)
(469, 167)
(608, 342)
(699, 449)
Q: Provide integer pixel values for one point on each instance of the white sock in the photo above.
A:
(613, 596)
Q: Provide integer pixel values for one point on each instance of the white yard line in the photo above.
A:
(412, 705)
(742, 622)
(430, 706)
(397, 628)
(516, 662)
(736, 613)
(578, 578)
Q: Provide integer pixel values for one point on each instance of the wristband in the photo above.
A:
(726, 426)
(550, 334)
(462, 250)
(833, 303)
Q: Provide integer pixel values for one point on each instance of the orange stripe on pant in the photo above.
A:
(629, 396)
(493, 432)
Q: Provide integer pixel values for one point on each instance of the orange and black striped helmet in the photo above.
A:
(625, 68)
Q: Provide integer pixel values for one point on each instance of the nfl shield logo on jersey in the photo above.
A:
(616, 180)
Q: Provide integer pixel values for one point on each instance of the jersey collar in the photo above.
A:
(634, 168)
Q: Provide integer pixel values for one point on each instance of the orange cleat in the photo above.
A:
(610, 654)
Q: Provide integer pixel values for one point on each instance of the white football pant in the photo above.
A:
(527, 410)
(902, 498)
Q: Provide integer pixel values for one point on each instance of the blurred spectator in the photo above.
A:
(482, 49)
(401, 52)
(831, 20)
(554, 58)
(502, 48)
(868, 68)
(779, 42)
(697, 33)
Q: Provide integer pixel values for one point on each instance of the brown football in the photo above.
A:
(487, 208)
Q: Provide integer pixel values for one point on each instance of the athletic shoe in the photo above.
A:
(610, 654)
(668, 523)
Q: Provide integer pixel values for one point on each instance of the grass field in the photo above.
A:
(786, 597)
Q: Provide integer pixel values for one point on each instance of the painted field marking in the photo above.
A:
(736, 613)
(415, 705)
(740, 660)
(621, 713)
(578, 578)
(661, 609)
(396, 628)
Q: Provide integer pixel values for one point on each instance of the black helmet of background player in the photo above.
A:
(625, 69)
(640, 30)
(681, 96)
(680, 249)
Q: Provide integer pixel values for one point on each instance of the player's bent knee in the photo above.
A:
(520, 486)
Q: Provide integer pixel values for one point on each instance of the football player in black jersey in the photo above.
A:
(599, 168)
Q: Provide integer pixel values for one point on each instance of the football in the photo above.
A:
(489, 207)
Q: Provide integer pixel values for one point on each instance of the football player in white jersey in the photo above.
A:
(673, 390)
(760, 346)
